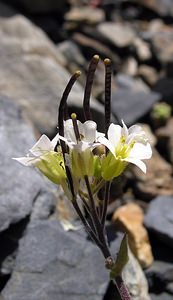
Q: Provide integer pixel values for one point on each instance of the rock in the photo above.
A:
(134, 84)
(142, 49)
(159, 35)
(20, 187)
(148, 74)
(157, 181)
(40, 6)
(120, 35)
(135, 279)
(130, 67)
(32, 75)
(92, 46)
(159, 218)
(129, 218)
(85, 14)
(131, 105)
(56, 265)
(48, 258)
(162, 296)
(160, 276)
(165, 139)
(73, 58)
(164, 87)
(163, 45)
(161, 7)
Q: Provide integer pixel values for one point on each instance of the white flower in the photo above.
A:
(42, 147)
(82, 158)
(49, 162)
(88, 135)
(127, 146)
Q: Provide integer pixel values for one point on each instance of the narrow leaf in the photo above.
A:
(121, 260)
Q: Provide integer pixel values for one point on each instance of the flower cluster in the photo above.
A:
(123, 146)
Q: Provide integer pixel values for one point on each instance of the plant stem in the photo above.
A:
(123, 291)
(105, 203)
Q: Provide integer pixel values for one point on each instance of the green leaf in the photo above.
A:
(121, 260)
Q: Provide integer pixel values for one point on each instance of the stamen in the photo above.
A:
(108, 71)
(88, 86)
(75, 126)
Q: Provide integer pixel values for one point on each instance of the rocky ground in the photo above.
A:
(42, 43)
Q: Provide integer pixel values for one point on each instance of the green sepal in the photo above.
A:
(121, 260)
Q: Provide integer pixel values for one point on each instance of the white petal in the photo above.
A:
(107, 143)
(69, 131)
(43, 145)
(99, 134)
(89, 128)
(124, 130)
(135, 129)
(114, 134)
(139, 163)
(69, 143)
(27, 161)
(141, 151)
(55, 140)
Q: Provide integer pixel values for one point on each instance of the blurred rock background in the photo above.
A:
(42, 43)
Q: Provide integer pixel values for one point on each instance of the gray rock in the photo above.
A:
(53, 264)
(164, 86)
(160, 275)
(85, 14)
(121, 35)
(162, 296)
(131, 105)
(20, 187)
(73, 57)
(159, 218)
(32, 75)
(135, 279)
(142, 49)
(161, 7)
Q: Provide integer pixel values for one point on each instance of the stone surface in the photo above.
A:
(31, 74)
(121, 35)
(56, 265)
(142, 49)
(85, 14)
(148, 74)
(159, 218)
(129, 218)
(165, 139)
(160, 276)
(161, 296)
(162, 7)
(164, 87)
(20, 187)
(135, 279)
(157, 181)
(130, 67)
(73, 58)
(131, 105)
